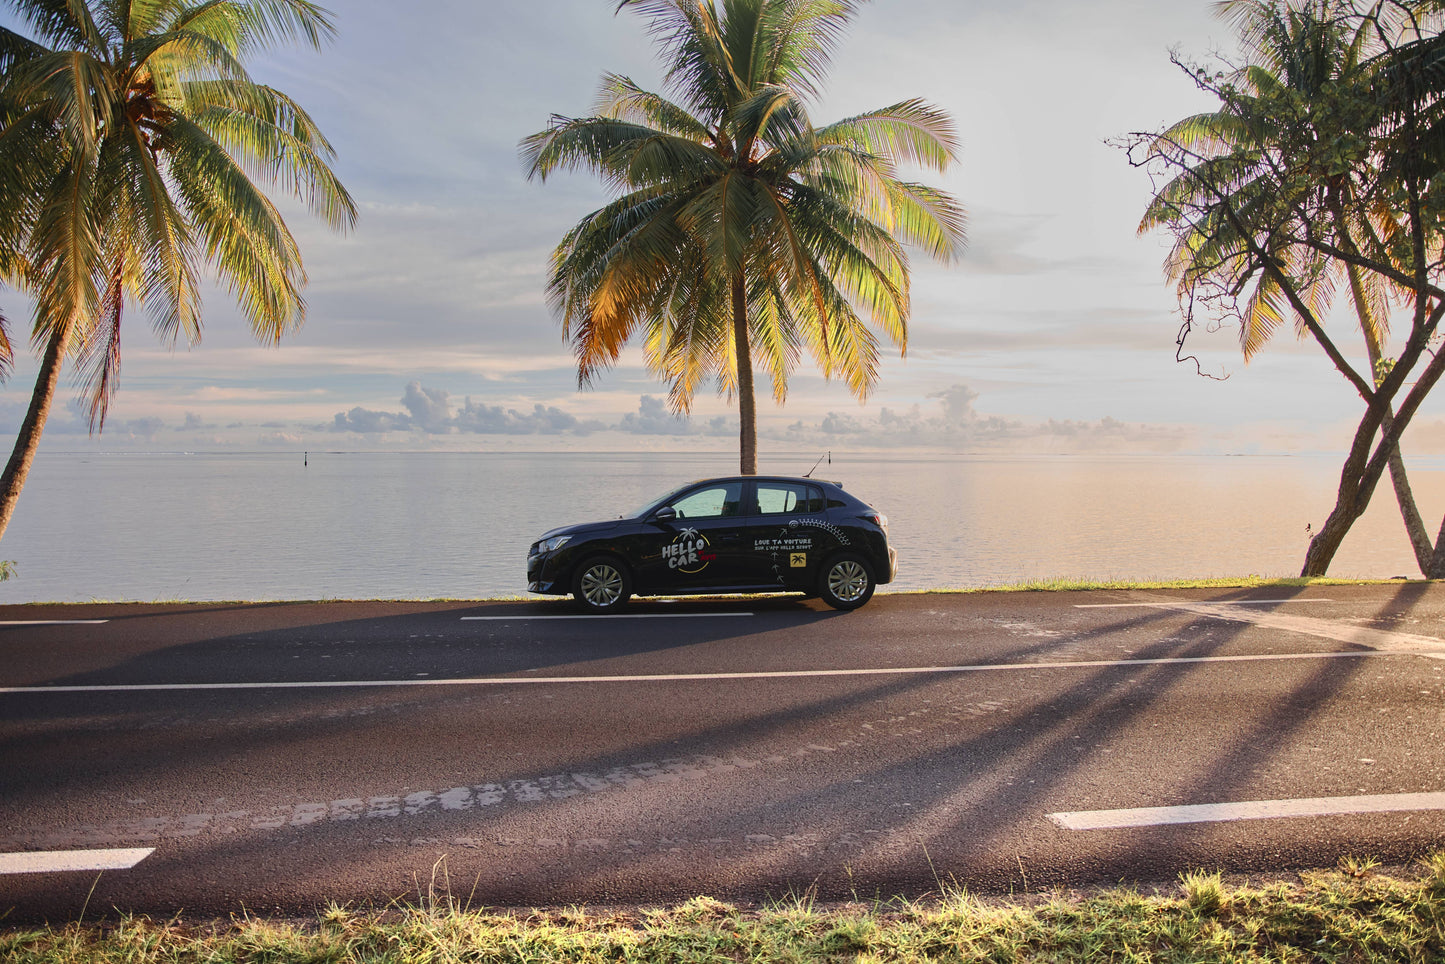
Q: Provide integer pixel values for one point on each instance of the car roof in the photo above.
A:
(767, 478)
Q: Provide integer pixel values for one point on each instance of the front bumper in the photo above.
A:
(544, 578)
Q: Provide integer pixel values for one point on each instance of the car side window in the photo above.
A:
(788, 498)
(712, 502)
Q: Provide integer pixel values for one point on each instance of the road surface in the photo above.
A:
(205, 757)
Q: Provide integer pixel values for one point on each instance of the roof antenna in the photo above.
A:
(828, 455)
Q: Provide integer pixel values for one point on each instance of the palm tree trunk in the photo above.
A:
(1404, 495)
(747, 406)
(1356, 487)
(13, 480)
(1366, 462)
(1437, 561)
(1409, 511)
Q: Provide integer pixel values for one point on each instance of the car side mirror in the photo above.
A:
(665, 514)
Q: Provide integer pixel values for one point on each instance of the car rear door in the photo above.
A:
(788, 534)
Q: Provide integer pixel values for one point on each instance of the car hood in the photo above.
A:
(581, 529)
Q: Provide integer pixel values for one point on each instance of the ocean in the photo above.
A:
(267, 526)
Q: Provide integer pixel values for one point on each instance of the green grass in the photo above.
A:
(1350, 915)
(1084, 584)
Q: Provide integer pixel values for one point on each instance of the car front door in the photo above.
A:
(698, 543)
(788, 535)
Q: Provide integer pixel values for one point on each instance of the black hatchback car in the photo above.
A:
(744, 534)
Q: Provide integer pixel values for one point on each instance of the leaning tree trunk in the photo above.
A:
(1404, 495)
(13, 480)
(1409, 511)
(1366, 462)
(1354, 496)
(747, 407)
(1437, 561)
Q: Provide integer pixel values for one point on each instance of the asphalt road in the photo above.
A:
(282, 757)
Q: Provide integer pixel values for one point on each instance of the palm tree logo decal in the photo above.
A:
(688, 552)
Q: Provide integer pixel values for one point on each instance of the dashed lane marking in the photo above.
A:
(510, 619)
(707, 677)
(1248, 810)
(58, 861)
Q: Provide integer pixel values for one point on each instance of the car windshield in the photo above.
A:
(658, 503)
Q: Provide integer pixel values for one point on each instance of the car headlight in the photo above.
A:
(550, 545)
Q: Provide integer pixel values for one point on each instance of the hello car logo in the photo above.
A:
(688, 552)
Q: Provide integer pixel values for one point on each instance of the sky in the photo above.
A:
(427, 326)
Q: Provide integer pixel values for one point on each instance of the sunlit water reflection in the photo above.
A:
(264, 526)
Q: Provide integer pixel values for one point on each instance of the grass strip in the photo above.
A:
(1349, 915)
(1084, 584)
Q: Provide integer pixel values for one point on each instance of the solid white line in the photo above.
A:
(608, 616)
(57, 861)
(1249, 810)
(52, 622)
(1211, 602)
(698, 677)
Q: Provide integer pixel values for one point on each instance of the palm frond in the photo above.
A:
(621, 99)
(61, 23)
(275, 140)
(911, 132)
(98, 355)
(244, 238)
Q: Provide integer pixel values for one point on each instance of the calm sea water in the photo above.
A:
(401, 526)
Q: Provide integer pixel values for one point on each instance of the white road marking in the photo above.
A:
(1383, 640)
(608, 616)
(57, 861)
(52, 622)
(1222, 602)
(388, 812)
(1248, 810)
(699, 677)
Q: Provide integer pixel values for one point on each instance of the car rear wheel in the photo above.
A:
(846, 582)
(602, 585)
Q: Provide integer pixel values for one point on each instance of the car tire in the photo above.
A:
(602, 584)
(847, 581)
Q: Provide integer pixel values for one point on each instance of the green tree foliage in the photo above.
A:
(739, 228)
(1320, 168)
(132, 142)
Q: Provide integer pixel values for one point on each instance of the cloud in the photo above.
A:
(368, 422)
(429, 412)
(948, 419)
(653, 418)
(542, 420)
(429, 408)
(953, 422)
(145, 429)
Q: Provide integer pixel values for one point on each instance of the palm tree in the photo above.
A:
(131, 143)
(739, 228)
(1301, 57)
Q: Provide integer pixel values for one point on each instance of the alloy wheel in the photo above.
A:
(848, 581)
(602, 585)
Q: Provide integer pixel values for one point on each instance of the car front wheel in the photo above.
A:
(602, 585)
(847, 582)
